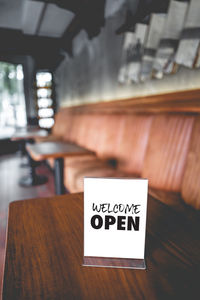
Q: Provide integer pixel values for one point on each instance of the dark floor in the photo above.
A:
(10, 173)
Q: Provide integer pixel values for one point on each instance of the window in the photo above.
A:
(12, 100)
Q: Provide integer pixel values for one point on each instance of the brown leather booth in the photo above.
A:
(156, 142)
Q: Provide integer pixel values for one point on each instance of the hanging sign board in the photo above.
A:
(115, 222)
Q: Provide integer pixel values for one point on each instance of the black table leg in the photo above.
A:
(32, 179)
(22, 149)
(58, 176)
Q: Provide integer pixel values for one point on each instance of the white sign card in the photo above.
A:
(115, 222)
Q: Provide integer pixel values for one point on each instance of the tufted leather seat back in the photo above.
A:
(167, 151)
(86, 132)
(109, 135)
(93, 132)
(190, 189)
(133, 142)
(62, 124)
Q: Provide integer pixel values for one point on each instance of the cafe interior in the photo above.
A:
(98, 89)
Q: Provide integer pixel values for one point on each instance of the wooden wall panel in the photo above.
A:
(181, 101)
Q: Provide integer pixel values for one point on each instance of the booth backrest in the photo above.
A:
(72, 132)
(109, 136)
(191, 181)
(133, 141)
(153, 146)
(99, 133)
(62, 124)
(167, 151)
(93, 132)
(84, 124)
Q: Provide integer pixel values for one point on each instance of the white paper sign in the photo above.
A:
(115, 217)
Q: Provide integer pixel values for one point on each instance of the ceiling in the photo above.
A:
(45, 29)
(34, 17)
(44, 18)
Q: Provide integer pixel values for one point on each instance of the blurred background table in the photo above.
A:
(27, 134)
(57, 151)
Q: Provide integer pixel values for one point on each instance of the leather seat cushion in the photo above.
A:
(75, 172)
(76, 160)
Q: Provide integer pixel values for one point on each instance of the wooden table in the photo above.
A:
(28, 134)
(58, 151)
(45, 255)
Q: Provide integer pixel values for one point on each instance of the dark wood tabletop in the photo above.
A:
(55, 150)
(45, 255)
(28, 134)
